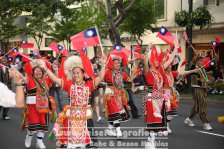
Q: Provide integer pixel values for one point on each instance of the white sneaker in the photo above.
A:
(207, 126)
(111, 133)
(28, 141)
(169, 130)
(119, 134)
(40, 144)
(150, 144)
(189, 122)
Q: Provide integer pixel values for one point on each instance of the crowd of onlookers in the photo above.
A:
(216, 81)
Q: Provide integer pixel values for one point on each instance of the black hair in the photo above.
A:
(38, 67)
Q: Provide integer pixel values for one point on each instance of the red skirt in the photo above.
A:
(36, 121)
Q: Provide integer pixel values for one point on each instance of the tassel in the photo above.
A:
(51, 137)
(22, 127)
(55, 116)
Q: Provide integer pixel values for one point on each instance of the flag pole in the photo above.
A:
(58, 56)
(8, 52)
(98, 35)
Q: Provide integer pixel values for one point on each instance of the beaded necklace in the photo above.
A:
(203, 73)
(118, 79)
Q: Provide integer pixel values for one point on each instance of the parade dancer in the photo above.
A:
(71, 125)
(199, 91)
(116, 98)
(154, 107)
(38, 104)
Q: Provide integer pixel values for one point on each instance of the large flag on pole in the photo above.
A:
(166, 36)
(84, 39)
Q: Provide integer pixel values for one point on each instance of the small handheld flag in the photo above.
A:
(166, 36)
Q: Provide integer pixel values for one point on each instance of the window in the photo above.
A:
(213, 2)
(160, 9)
(48, 41)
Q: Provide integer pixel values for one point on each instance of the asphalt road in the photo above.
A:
(182, 137)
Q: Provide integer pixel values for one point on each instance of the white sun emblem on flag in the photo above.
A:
(60, 47)
(90, 33)
(212, 63)
(213, 43)
(163, 30)
(117, 48)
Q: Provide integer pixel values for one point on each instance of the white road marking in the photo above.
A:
(214, 134)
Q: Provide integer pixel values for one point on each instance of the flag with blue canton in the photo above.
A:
(14, 52)
(10, 59)
(18, 59)
(214, 44)
(89, 33)
(163, 30)
(60, 47)
(25, 44)
(84, 39)
(166, 36)
(118, 47)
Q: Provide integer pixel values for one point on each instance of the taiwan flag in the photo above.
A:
(14, 52)
(84, 39)
(36, 53)
(206, 62)
(137, 48)
(120, 48)
(186, 37)
(138, 56)
(25, 44)
(58, 48)
(214, 44)
(166, 36)
(10, 59)
(218, 40)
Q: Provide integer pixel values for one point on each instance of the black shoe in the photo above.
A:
(63, 146)
(5, 118)
(137, 116)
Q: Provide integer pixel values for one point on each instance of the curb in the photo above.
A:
(209, 100)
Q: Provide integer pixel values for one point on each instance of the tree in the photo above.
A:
(40, 22)
(9, 10)
(139, 19)
(115, 19)
(75, 20)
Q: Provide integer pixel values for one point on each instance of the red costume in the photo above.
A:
(37, 105)
(71, 124)
(153, 104)
(116, 99)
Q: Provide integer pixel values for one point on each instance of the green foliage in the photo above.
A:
(139, 19)
(75, 20)
(181, 18)
(201, 16)
(9, 10)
